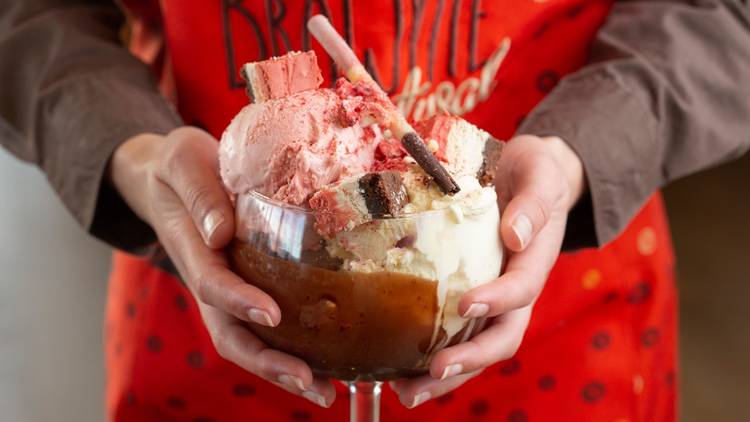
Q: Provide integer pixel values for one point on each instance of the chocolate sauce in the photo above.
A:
(346, 325)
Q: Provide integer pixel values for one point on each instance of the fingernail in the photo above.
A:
(292, 381)
(420, 398)
(211, 222)
(522, 228)
(452, 370)
(315, 398)
(260, 316)
(476, 310)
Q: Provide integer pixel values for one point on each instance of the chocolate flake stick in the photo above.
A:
(353, 70)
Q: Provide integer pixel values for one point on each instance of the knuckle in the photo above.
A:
(173, 160)
(232, 302)
(203, 289)
(167, 230)
(539, 206)
(190, 138)
(221, 350)
(219, 340)
(179, 132)
(513, 348)
(507, 354)
(508, 351)
(261, 367)
(520, 294)
(524, 139)
(172, 155)
(527, 292)
(197, 198)
(481, 357)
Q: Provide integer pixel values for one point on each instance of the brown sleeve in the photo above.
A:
(666, 94)
(71, 93)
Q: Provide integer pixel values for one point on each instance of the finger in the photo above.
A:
(207, 275)
(191, 169)
(321, 391)
(523, 280)
(235, 343)
(414, 392)
(219, 287)
(499, 341)
(514, 289)
(535, 197)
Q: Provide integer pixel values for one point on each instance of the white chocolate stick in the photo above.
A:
(336, 47)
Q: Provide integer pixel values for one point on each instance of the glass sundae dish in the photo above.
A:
(375, 316)
(367, 249)
(379, 317)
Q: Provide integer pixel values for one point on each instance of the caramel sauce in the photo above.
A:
(346, 325)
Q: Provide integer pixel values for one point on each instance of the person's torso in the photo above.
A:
(490, 61)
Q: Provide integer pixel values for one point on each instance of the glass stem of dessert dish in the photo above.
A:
(364, 399)
(365, 252)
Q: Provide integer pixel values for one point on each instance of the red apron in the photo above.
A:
(601, 343)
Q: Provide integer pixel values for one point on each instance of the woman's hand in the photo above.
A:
(172, 183)
(538, 181)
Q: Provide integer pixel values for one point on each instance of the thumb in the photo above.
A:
(538, 192)
(192, 172)
(525, 215)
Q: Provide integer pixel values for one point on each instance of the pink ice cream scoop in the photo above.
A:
(288, 146)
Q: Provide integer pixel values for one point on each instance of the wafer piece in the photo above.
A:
(356, 200)
(463, 148)
(281, 76)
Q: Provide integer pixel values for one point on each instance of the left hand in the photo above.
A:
(172, 183)
(538, 181)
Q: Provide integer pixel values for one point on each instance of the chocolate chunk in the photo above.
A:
(418, 150)
(406, 241)
(384, 193)
(490, 155)
(248, 86)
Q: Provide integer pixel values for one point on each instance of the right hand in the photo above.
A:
(172, 183)
(538, 181)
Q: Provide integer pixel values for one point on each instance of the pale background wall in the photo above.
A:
(53, 280)
(52, 285)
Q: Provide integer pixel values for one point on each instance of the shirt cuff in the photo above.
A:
(99, 124)
(616, 139)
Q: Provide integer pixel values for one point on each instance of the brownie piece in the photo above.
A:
(384, 193)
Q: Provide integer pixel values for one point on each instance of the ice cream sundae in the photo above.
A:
(365, 252)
